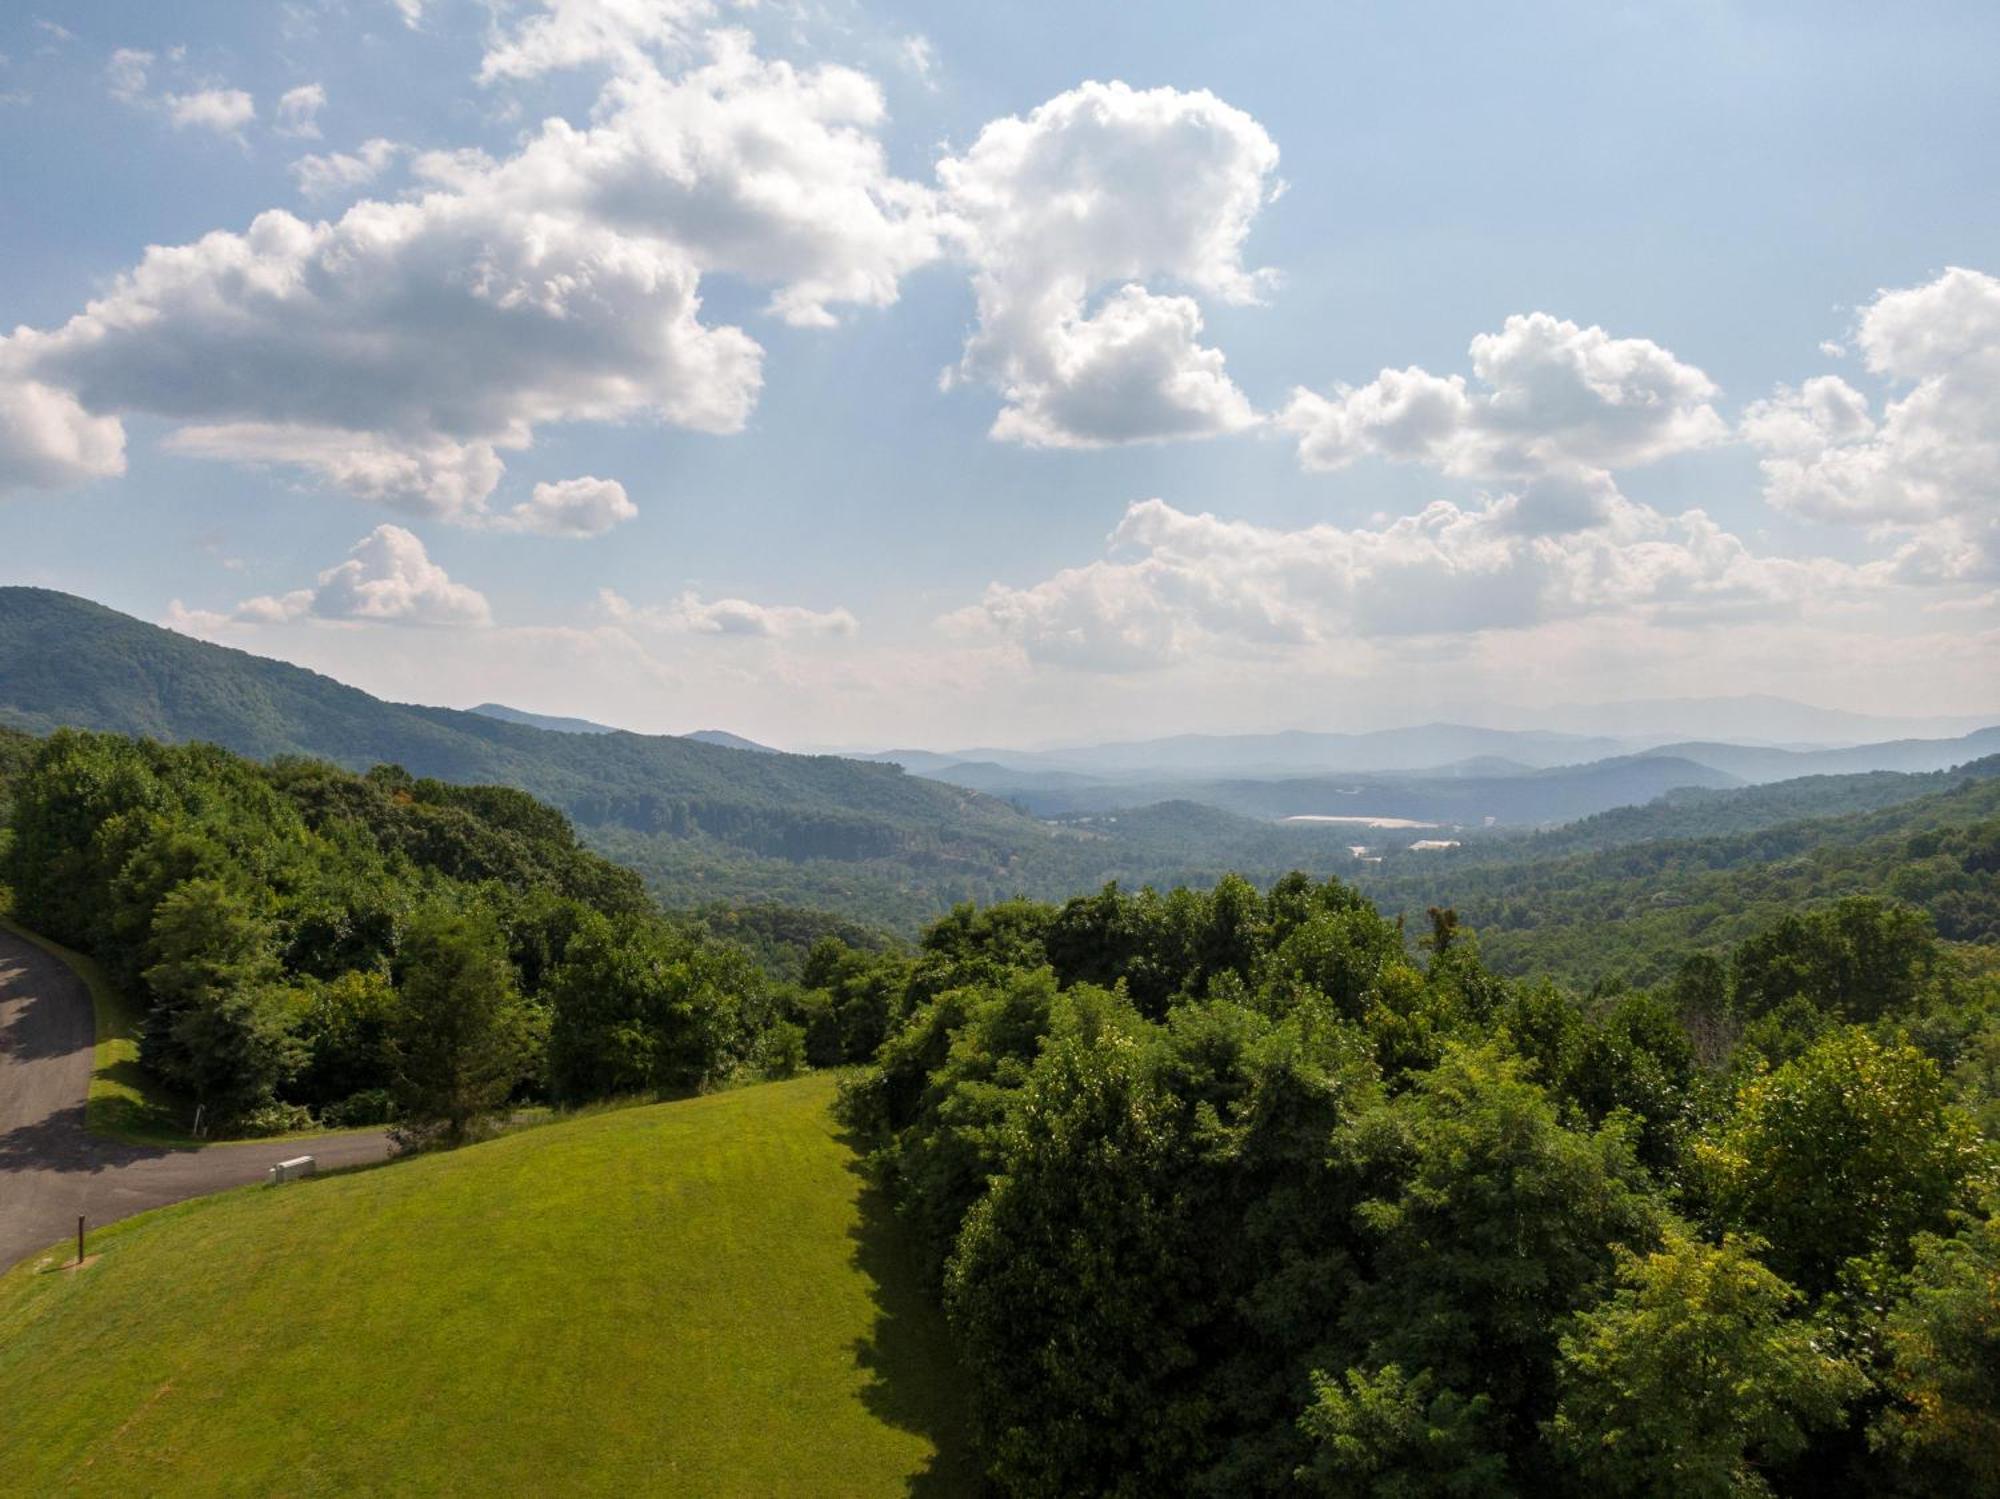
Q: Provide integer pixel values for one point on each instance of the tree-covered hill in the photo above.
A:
(67, 662)
(704, 823)
(1633, 911)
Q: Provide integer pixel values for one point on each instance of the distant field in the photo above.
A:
(693, 1297)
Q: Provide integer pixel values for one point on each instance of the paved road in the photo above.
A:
(51, 1168)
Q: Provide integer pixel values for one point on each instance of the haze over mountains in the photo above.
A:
(711, 816)
(1513, 775)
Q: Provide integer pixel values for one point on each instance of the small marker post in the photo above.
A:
(79, 1240)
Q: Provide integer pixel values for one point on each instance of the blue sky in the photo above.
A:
(1120, 516)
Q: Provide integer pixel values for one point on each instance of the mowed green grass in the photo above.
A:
(687, 1298)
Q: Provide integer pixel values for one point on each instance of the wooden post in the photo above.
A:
(79, 1238)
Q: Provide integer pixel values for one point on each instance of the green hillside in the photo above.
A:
(1632, 911)
(736, 821)
(693, 1297)
(65, 661)
(702, 822)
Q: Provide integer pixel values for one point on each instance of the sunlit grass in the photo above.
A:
(692, 1298)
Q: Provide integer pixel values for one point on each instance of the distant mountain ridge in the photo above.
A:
(1756, 764)
(730, 741)
(1755, 748)
(708, 822)
(1293, 752)
(556, 724)
(549, 721)
(65, 660)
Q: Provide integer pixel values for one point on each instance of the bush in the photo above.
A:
(272, 1119)
(782, 1051)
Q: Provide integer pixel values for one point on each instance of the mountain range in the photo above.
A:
(711, 817)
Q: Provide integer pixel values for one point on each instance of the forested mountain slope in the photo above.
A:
(1632, 912)
(66, 661)
(704, 823)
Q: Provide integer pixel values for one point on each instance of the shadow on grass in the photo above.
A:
(914, 1381)
(142, 1112)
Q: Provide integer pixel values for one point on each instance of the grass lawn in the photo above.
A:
(125, 1102)
(688, 1298)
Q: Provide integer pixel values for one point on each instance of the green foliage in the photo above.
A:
(638, 1008)
(1858, 959)
(1501, 1221)
(460, 1039)
(344, 1028)
(1944, 1362)
(1844, 1154)
(1071, 1287)
(221, 1028)
(1694, 1376)
(273, 919)
(1226, 1195)
(1389, 1436)
(1636, 911)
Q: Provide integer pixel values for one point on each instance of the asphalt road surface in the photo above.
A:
(51, 1168)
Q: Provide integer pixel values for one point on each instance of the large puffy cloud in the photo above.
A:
(746, 165)
(690, 614)
(1093, 195)
(572, 507)
(397, 350)
(1181, 585)
(1556, 408)
(393, 350)
(1928, 470)
(388, 578)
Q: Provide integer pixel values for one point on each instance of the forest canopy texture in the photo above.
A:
(1237, 1193)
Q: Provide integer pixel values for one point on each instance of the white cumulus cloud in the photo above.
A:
(1066, 216)
(334, 173)
(222, 110)
(1927, 468)
(561, 34)
(1552, 407)
(1177, 586)
(48, 441)
(572, 507)
(388, 578)
(398, 349)
(392, 351)
(746, 165)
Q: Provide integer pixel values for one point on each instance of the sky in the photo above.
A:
(871, 374)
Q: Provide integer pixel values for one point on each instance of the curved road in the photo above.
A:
(51, 1168)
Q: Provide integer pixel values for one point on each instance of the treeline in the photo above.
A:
(316, 946)
(1632, 912)
(1230, 1193)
